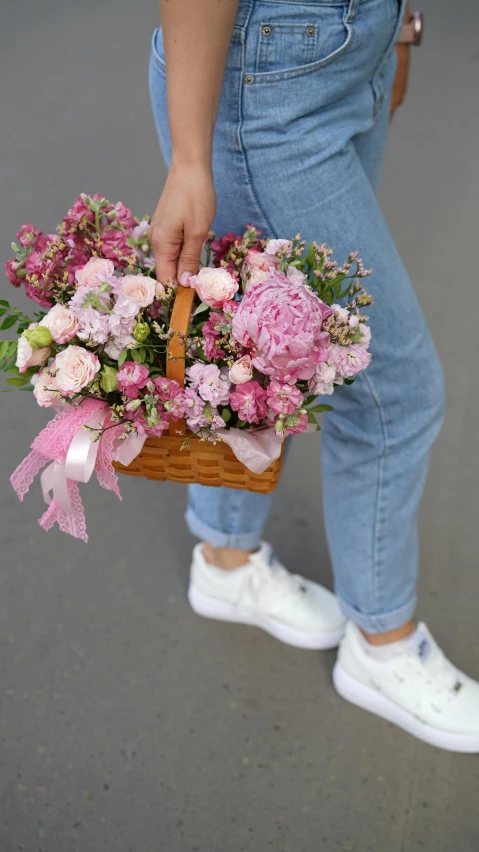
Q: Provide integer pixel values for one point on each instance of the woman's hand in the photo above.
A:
(182, 220)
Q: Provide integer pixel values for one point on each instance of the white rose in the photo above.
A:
(273, 246)
(139, 289)
(214, 286)
(295, 275)
(45, 390)
(61, 323)
(28, 357)
(241, 371)
(95, 272)
(75, 369)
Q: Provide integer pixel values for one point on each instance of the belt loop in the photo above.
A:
(244, 13)
(353, 8)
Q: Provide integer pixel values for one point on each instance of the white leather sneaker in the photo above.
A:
(263, 593)
(417, 689)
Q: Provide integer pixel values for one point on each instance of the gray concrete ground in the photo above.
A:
(127, 723)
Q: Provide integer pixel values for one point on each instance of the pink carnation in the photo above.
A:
(132, 377)
(281, 322)
(283, 399)
(249, 400)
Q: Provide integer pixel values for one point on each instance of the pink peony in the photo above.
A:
(209, 382)
(214, 286)
(45, 390)
(139, 288)
(256, 268)
(61, 323)
(241, 371)
(75, 368)
(283, 399)
(132, 377)
(281, 322)
(94, 273)
(249, 400)
(349, 360)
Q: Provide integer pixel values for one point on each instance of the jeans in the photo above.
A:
(299, 142)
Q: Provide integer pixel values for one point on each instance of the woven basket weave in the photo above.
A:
(201, 462)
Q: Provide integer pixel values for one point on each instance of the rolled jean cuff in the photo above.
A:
(218, 538)
(380, 622)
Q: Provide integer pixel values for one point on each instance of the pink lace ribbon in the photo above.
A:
(72, 454)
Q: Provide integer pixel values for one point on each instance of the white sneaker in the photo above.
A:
(263, 593)
(416, 688)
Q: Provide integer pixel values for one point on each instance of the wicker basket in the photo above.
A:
(204, 463)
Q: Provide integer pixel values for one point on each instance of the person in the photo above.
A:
(276, 112)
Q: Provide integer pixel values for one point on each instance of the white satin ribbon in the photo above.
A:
(79, 464)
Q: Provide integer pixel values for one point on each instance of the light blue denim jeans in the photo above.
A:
(299, 143)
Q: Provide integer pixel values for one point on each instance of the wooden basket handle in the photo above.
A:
(175, 359)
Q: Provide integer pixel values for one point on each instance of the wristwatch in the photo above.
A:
(412, 32)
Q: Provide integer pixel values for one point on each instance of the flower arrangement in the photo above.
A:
(276, 323)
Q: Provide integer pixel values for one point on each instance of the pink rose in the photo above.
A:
(45, 390)
(75, 368)
(28, 357)
(61, 323)
(282, 323)
(214, 286)
(256, 268)
(94, 273)
(241, 371)
(139, 288)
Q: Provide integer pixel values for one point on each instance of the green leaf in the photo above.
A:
(349, 381)
(202, 307)
(226, 414)
(17, 381)
(141, 356)
(310, 399)
(311, 418)
(4, 347)
(28, 387)
(135, 355)
(122, 357)
(318, 409)
(3, 311)
(4, 303)
(8, 322)
(12, 349)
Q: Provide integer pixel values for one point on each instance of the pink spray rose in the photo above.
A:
(94, 273)
(132, 377)
(75, 368)
(281, 322)
(241, 371)
(61, 323)
(139, 288)
(283, 399)
(249, 400)
(214, 286)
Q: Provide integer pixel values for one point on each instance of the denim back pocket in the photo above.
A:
(293, 38)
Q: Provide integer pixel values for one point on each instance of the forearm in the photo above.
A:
(197, 35)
